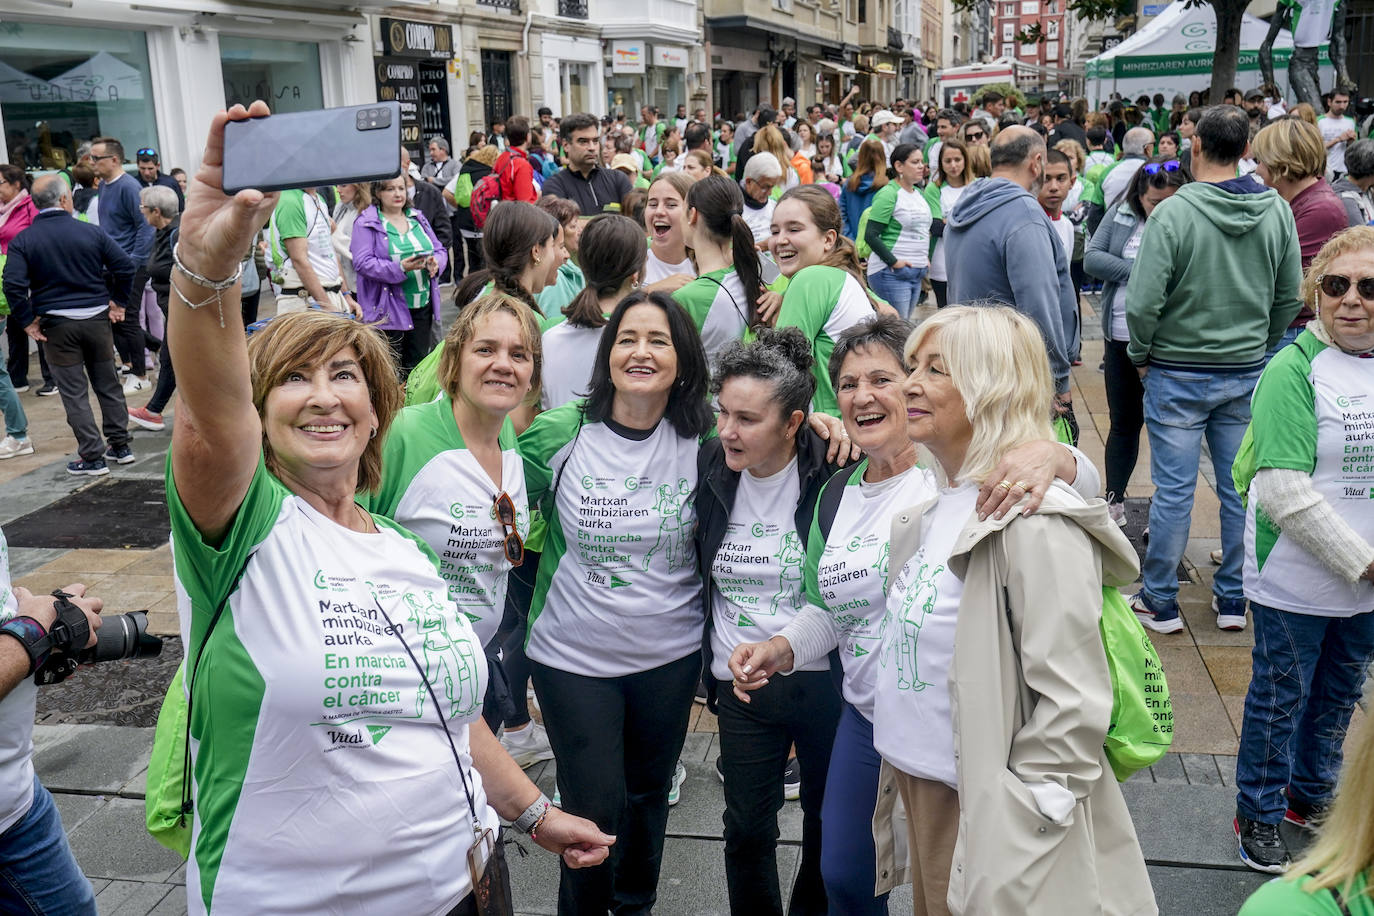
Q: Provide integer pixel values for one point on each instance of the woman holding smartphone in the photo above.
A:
(398, 260)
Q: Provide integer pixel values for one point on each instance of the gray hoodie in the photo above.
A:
(1000, 246)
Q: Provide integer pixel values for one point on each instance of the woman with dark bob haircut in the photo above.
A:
(615, 622)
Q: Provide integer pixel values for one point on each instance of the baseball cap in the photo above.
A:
(883, 117)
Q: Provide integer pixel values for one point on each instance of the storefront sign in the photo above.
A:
(670, 56)
(404, 38)
(908, 67)
(422, 91)
(627, 57)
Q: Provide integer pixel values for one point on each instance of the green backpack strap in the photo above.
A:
(168, 802)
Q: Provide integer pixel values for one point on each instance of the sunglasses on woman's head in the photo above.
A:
(505, 514)
(1336, 286)
(1154, 168)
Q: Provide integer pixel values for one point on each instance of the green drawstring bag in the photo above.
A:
(1142, 724)
(861, 246)
(4, 303)
(166, 776)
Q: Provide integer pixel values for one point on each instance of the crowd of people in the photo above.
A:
(772, 412)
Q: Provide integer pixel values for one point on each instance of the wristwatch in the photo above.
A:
(527, 821)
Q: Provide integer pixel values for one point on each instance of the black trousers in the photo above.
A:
(1126, 412)
(17, 362)
(941, 290)
(413, 345)
(166, 378)
(130, 338)
(617, 741)
(802, 709)
(81, 348)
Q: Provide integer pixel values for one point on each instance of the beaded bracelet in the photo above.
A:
(539, 824)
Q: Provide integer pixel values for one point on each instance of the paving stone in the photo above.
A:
(693, 879)
(1229, 667)
(174, 904)
(1184, 825)
(1201, 769)
(114, 843)
(1202, 891)
(1226, 766)
(698, 815)
(1169, 769)
(24, 560)
(94, 758)
(1184, 669)
(75, 809)
(131, 898)
(1201, 724)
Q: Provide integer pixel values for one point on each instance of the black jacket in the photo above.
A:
(159, 269)
(61, 262)
(429, 200)
(593, 194)
(716, 489)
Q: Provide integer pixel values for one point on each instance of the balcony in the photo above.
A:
(894, 39)
(512, 5)
(573, 9)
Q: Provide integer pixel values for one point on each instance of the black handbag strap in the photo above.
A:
(187, 804)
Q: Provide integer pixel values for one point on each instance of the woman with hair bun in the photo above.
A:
(759, 481)
(723, 299)
(612, 263)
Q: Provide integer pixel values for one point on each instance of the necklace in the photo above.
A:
(367, 520)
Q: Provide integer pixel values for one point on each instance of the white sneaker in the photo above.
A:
(1117, 513)
(11, 447)
(527, 746)
(134, 384)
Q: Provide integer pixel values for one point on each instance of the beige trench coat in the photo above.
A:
(1030, 697)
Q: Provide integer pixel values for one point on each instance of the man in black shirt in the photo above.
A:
(594, 189)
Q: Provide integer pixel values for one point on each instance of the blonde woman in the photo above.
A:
(990, 713)
(1333, 877)
(771, 140)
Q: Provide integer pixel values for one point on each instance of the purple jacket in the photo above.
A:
(380, 278)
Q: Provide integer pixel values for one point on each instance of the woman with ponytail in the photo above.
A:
(826, 294)
(758, 485)
(723, 299)
(523, 249)
(612, 261)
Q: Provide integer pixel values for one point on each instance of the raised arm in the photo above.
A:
(217, 440)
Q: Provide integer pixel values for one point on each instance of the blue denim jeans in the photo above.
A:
(1307, 673)
(848, 858)
(16, 423)
(1180, 408)
(901, 288)
(38, 875)
(1288, 337)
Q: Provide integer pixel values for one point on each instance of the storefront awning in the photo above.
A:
(838, 68)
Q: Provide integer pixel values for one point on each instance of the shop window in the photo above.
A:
(286, 74)
(63, 84)
(576, 80)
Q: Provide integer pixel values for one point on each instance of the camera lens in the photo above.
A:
(123, 636)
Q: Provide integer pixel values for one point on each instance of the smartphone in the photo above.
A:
(307, 149)
(768, 269)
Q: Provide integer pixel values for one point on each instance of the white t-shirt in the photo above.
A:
(432, 484)
(16, 720)
(1120, 331)
(760, 220)
(1319, 418)
(1332, 128)
(655, 268)
(568, 353)
(913, 726)
(851, 572)
(949, 196)
(618, 591)
(1063, 228)
(756, 576)
(1118, 181)
(322, 770)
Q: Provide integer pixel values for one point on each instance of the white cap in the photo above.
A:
(883, 117)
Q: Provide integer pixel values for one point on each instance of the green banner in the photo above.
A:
(1134, 67)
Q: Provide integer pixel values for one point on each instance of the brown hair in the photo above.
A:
(872, 160)
(825, 213)
(612, 250)
(513, 230)
(953, 143)
(290, 342)
(560, 208)
(465, 327)
(112, 147)
(681, 183)
(362, 195)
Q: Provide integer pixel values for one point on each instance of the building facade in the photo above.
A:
(1042, 66)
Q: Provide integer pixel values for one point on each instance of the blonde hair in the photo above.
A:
(979, 162)
(679, 181)
(770, 140)
(1305, 112)
(1291, 149)
(996, 359)
(465, 326)
(1344, 849)
(292, 342)
(1355, 238)
(1075, 153)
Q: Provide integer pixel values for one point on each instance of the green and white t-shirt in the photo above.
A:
(757, 572)
(324, 781)
(846, 573)
(300, 215)
(433, 486)
(617, 591)
(913, 724)
(905, 218)
(719, 308)
(1313, 411)
(569, 350)
(824, 302)
(402, 245)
